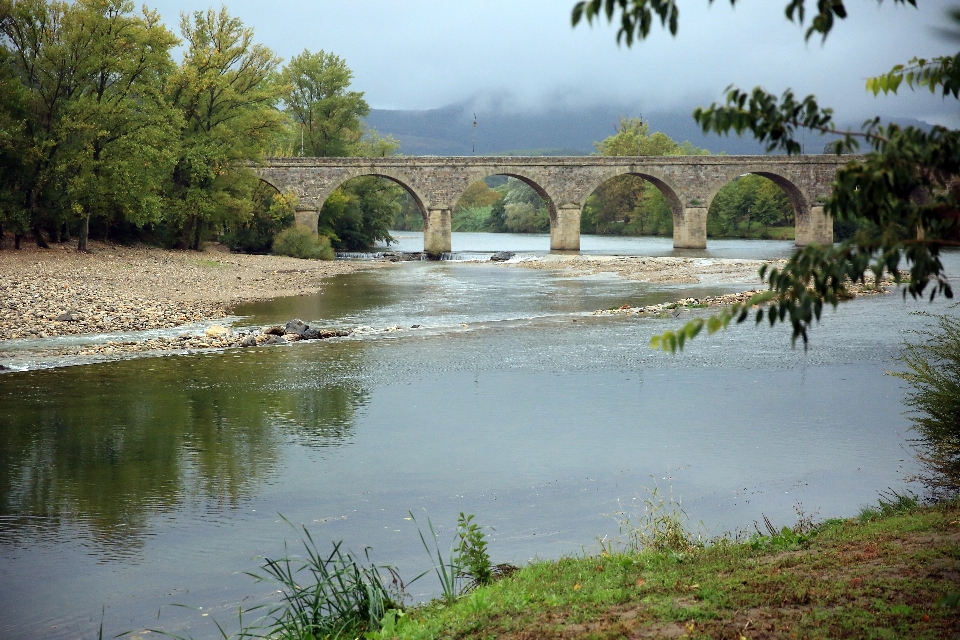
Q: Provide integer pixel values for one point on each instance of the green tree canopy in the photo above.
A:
(88, 123)
(316, 96)
(226, 92)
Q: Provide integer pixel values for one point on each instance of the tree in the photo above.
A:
(498, 217)
(316, 97)
(906, 186)
(226, 93)
(89, 122)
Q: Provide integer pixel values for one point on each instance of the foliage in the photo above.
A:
(472, 219)
(498, 217)
(933, 372)
(272, 212)
(361, 212)
(316, 98)
(891, 503)
(341, 595)
(409, 217)
(633, 138)
(299, 241)
(90, 132)
(478, 195)
(905, 185)
(523, 217)
(748, 200)
(628, 205)
(472, 551)
(225, 90)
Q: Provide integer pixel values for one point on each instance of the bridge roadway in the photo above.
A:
(688, 182)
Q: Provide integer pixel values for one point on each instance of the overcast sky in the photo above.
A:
(423, 54)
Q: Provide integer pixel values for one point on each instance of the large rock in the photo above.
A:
(216, 331)
(249, 341)
(296, 326)
(275, 330)
(501, 256)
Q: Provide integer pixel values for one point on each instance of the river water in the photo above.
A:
(137, 485)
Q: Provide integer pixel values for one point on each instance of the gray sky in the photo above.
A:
(523, 54)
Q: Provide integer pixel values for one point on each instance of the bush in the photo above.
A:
(933, 365)
(300, 242)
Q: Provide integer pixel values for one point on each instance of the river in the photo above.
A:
(140, 484)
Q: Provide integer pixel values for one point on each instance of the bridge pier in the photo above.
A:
(565, 230)
(308, 216)
(690, 228)
(815, 227)
(436, 232)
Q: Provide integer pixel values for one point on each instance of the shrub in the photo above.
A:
(300, 242)
(933, 372)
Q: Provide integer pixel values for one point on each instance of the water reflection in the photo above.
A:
(109, 446)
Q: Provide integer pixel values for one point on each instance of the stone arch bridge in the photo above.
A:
(688, 182)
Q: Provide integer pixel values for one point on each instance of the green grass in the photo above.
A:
(875, 576)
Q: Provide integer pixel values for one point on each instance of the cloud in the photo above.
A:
(420, 54)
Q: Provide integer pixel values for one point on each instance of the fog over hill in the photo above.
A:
(449, 130)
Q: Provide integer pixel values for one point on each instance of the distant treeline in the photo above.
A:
(103, 133)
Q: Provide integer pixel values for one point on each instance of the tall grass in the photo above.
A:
(661, 526)
(323, 595)
(447, 570)
(933, 372)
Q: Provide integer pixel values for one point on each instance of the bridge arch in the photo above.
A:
(802, 202)
(529, 178)
(392, 175)
(674, 197)
(799, 200)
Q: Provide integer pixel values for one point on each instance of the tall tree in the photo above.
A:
(226, 92)
(317, 98)
(95, 131)
(908, 181)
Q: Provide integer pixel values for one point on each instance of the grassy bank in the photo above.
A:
(887, 574)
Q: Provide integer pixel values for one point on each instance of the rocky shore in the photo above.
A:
(665, 270)
(662, 310)
(116, 289)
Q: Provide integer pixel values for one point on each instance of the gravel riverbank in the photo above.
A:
(665, 270)
(61, 306)
(115, 289)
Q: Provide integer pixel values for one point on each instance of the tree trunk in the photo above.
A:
(38, 237)
(17, 237)
(66, 232)
(84, 234)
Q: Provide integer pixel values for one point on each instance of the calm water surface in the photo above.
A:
(141, 484)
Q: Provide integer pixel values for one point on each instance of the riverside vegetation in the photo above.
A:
(887, 573)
